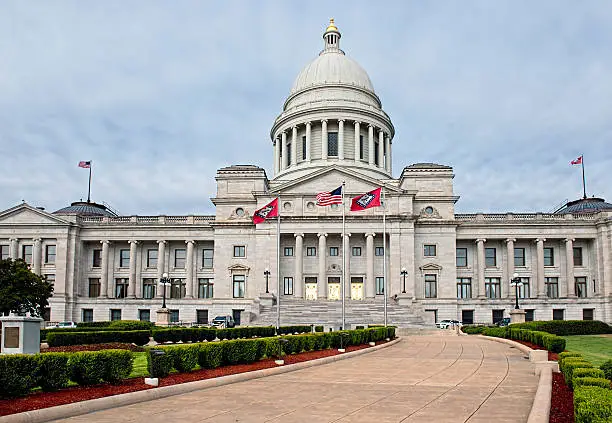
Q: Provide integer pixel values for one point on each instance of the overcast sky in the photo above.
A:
(160, 94)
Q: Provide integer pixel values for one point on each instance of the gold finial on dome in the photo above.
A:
(331, 26)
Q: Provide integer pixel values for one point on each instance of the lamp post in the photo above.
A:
(267, 274)
(404, 272)
(516, 282)
(164, 282)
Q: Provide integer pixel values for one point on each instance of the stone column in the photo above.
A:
(381, 149)
(14, 249)
(388, 155)
(509, 291)
(371, 144)
(346, 245)
(285, 156)
(276, 155)
(480, 285)
(104, 270)
(341, 139)
(37, 255)
(189, 271)
(322, 281)
(541, 287)
(357, 143)
(569, 272)
(370, 283)
(308, 140)
(161, 259)
(132, 279)
(298, 281)
(324, 139)
(294, 146)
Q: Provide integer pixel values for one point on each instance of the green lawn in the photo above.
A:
(595, 348)
(139, 368)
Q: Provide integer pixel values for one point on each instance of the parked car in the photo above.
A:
(223, 321)
(447, 323)
(504, 322)
(65, 325)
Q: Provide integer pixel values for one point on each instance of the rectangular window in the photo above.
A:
(519, 257)
(431, 290)
(552, 287)
(332, 144)
(493, 287)
(558, 313)
(529, 315)
(464, 288)
(115, 314)
(50, 279)
(238, 289)
(429, 250)
(202, 317)
(311, 251)
(288, 154)
(467, 317)
(588, 313)
(288, 252)
(356, 251)
(333, 251)
(239, 251)
(4, 252)
(50, 254)
(121, 287)
(148, 288)
(207, 258)
(304, 147)
(376, 156)
(26, 253)
(288, 286)
(205, 288)
(581, 286)
(180, 256)
(152, 258)
(94, 287)
(144, 315)
(497, 315)
(549, 256)
(380, 286)
(178, 288)
(462, 260)
(333, 279)
(174, 316)
(87, 315)
(524, 290)
(360, 147)
(124, 258)
(577, 256)
(47, 314)
(96, 260)
(379, 251)
(490, 257)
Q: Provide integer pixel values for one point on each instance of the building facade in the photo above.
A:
(332, 130)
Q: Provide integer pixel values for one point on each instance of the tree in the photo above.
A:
(21, 290)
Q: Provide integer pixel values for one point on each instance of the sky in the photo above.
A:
(161, 94)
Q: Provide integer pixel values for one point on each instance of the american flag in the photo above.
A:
(328, 198)
(85, 165)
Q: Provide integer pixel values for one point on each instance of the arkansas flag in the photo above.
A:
(577, 161)
(367, 200)
(266, 212)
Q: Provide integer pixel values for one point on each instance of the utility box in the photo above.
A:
(20, 335)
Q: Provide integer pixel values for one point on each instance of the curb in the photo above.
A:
(540, 409)
(89, 406)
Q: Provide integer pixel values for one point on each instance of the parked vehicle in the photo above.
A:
(447, 323)
(223, 321)
(504, 322)
(65, 325)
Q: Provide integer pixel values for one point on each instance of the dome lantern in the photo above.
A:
(332, 38)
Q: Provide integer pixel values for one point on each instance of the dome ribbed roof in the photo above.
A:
(332, 67)
(586, 205)
(84, 208)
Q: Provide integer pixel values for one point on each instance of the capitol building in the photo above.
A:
(332, 129)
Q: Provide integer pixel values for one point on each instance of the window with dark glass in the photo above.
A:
(144, 315)
(311, 251)
(462, 260)
(380, 285)
(332, 144)
(174, 316)
(464, 288)
(238, 288)
(121, 287)
(558, 313)
(50, 278)
(288, 251)
(529, 315)
(124, 258)
(588, 313)
(581, 286)
(4, 252)
(26, 253)
(202, 317)
(152, 258)
(376, 156)
(429, 250)
(50, 254)
(379, 251)
(356, 251)
(178, 288)
(467, 317)
(304, 147)
(239, 251)
(148, 288)
(431, 290)
(549, 256)
(46, 314)
(288, 152)
(361, 147)
(207, 258)
(96, 258)
(87, 315)
(577, 256)
(490, 257)
(205, 288)
(333, 251)
(180, 256)
(288, 286)
(552, 287)
(497, 315)
(519, 257)
(524, 290)
(94, 287)
(493, 287)
(115, 314)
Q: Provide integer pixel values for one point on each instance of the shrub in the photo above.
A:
(473, 330)
(18, 374)
(117, 364)
(592, 404)
(287, 330)
(318, 328)
(567, 327)
(210, 355)
(184, 357)
(240, 351)
(53, 371)
(496, 332)
(391, 332)
(570, 365)
(309, 342)
(86, 368)
(159, 363)
(131, 325)
(587, 372)
(94, 324)
(568, 354)
(553, 343)
(590, 381)
(138, 337)
(607, 369)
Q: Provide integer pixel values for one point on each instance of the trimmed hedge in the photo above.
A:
(53, 372)
(592, 404)
(570, 365)
(210, 334)
(91, 367)
(551, 342)
(567, 327)
(138, 337)
(288, 330)
(602, 382)
(318, 328)
(18, 374)
(607, 369)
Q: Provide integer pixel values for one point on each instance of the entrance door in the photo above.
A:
(311, 291)
(334, 291)
(357, 288)
(236, 316)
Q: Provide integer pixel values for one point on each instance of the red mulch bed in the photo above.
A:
(94, 347)
(551, 355)
(562, 401)
(40, 400)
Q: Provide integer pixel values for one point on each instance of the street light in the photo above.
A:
(267, 274)
(164, 282)
(404, 272)
(516, 282)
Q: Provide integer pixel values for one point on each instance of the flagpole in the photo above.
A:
(278, 284)
(343, 258)
(583, 180)
(89, 187)
(385, 253)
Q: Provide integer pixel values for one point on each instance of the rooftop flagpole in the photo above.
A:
(385, 291)
(583, 179)
(342, 287)
(89, 186)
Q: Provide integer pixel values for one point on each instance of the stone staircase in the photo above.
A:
(329, 313)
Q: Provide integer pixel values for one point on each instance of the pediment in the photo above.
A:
(238, 268)
(24, 214)
(430, 267)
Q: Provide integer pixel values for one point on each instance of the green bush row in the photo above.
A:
(115, 325)
(210, 334)
(592, 404)
(19, 373)
(138, 337)
(288, 330)
(567, 327)
(549, 341)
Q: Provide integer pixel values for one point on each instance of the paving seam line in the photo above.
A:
(540, 409)
(114, 401)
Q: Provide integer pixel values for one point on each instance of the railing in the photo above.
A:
(146, 220)
(523, 216)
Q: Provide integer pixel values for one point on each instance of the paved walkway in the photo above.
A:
(433, 378)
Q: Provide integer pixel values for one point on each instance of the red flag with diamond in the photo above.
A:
(577, 161)
(367, 200)
(268, 211)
